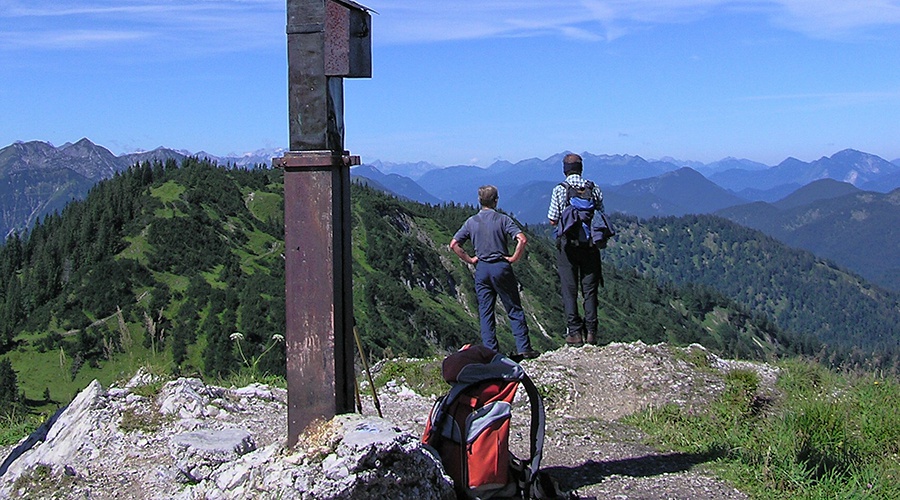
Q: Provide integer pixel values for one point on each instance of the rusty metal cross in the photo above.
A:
(327, 41)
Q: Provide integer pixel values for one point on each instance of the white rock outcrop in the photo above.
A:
(193, 441)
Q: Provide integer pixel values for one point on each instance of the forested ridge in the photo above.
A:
(408, 240)
(802, 293)
(861, 229)
(165, 262)
(171, 247)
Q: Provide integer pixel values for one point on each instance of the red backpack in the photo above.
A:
(469, 426)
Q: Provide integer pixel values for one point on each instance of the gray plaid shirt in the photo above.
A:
(558, 198)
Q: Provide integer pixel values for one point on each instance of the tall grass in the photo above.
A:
(15, 425)
(421, 375)
(827, 435)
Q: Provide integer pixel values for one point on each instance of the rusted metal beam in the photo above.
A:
(319, 313)
(325, 39)
(311, 159)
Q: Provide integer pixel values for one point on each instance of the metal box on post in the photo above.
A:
(348, 40)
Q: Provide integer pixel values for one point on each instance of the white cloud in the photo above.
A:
(202, 25)
(413, 21)
(67, 39)
(186, 25)
(829, 18)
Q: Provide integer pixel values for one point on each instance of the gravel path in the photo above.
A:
(587, 449)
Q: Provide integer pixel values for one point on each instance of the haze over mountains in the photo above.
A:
(845, 207)
(633, 185)
(857, 229)
(789, 201)
(37, 178)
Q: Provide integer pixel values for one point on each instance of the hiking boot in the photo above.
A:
(591, 338)
(574, 340)
(530, 354)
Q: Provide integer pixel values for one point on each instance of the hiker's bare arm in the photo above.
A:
(553, 222)
(458, 250)
(521, 240)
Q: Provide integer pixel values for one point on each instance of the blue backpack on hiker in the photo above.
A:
(577, 222)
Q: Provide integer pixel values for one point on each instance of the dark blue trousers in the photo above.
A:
(579, 267)
(492, 280)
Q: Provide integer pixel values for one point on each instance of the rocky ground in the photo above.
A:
(188, 440)
(586, 448)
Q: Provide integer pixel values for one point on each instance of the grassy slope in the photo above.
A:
(52, 370)
(411, 294)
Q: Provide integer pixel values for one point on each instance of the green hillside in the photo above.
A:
(859, 230)
(161, 264)
(800, 292)
(435, 292)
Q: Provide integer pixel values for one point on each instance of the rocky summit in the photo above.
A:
(191, 440)
(184, 439)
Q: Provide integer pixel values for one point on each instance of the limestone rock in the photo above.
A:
(198, 454)
(194, 441)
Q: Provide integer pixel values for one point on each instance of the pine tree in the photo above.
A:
(9, 388)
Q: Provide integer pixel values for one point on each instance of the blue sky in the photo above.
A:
(462, 82)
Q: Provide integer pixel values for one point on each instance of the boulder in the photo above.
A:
(194, 441)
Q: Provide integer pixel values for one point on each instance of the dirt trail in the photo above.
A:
(589, 389)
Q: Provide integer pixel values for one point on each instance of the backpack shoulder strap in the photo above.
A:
(436, 423)
(568, 188)
(533, 464)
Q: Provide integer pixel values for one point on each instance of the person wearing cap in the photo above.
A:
(578, 263)
(490, 232)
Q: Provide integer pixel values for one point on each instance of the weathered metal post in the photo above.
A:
(327, 40)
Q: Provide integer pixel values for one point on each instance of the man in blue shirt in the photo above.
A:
(490, 232)
(578, 262)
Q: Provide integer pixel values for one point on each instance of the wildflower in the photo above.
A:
(278, 337)
(237, 336)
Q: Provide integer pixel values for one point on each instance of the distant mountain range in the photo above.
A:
(863, 170)
(633, 185)
(37, 178)
(858, 229)
(399, 184)
(794, 201)
(677, 192)
(836, 207)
